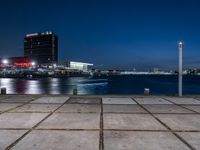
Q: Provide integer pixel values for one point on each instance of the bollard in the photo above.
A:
(146, 91)
(3, 91)
(75, 92)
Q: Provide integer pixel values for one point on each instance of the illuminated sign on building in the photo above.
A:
(32, 34)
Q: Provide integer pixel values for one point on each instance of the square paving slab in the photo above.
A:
(152, 100)
(37, 108)
(4, 97)
(120, 101)
(123, 109)
(181, 122)
(166, 109)
(178, 100)
(193, 138)
(52, 100)
(59, 140)
(7, 106)
(17, 99)
(80, 108)
(120, 140)
(9, 136)
(84, 100)
(72, 121)
(131, 122)
(193, 107)
(20, 120)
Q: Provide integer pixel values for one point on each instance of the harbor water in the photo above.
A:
(120, 85)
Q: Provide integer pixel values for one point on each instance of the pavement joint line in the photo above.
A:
(132, 130)
(14, 128)
(55, 129)
(6, 111)
(196, 98)
(47, 103)
(30, 130)
(101, 136)
(84, 103)
(181, 106)
(151, 112)
(181, 139)
(142, 130)
(77, 112)
(37, 112)
(152, 115)
(5, 98)
(184, 141)
(190, 104)
(55, 112)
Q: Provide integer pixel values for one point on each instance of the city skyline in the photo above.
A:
(110, 34)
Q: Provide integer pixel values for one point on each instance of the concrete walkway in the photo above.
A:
(33, 122)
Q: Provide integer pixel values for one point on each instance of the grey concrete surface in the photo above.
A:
(4, 97)
(20, 120)
(84, 100)
(51, 100)
(123, 109)
(187, 100)
(60, 140)
(80, 108)
(37, 108)
(119, 101)
(193, 107)
(192, 138)
(80, 123)
(166, 109)
(72, 121)
(7, 137)
(181, 122)
(121, 140)
(7, 106)
(132, 122)
(152, 100)
(17, 99)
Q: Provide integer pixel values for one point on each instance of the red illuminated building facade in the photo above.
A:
(17, 62)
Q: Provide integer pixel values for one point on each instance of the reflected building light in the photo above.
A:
(33, 87)
(54, 86)
(8, 84)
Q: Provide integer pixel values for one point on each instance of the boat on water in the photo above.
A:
(93, 81)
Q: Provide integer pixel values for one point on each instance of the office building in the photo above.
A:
(42, 48)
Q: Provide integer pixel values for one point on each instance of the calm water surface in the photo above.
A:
(103, 85)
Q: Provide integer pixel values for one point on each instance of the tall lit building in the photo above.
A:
(41, 47)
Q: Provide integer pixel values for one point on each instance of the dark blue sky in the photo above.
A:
(110, 33)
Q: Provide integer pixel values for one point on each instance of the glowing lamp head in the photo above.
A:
(5, 61)
(33, 63)
(180, 43)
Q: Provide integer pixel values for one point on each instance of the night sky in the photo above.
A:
(115, 34)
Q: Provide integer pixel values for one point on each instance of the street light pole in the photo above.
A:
(180, 72)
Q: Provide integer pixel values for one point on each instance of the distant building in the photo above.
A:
(156, 70)
(79, 66)
(41, 47)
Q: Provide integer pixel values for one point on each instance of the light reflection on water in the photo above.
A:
(51, 85)
(103, 85)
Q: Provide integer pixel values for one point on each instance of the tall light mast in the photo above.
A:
(180, 72)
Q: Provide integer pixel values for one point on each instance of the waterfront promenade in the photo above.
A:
(44, 122)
